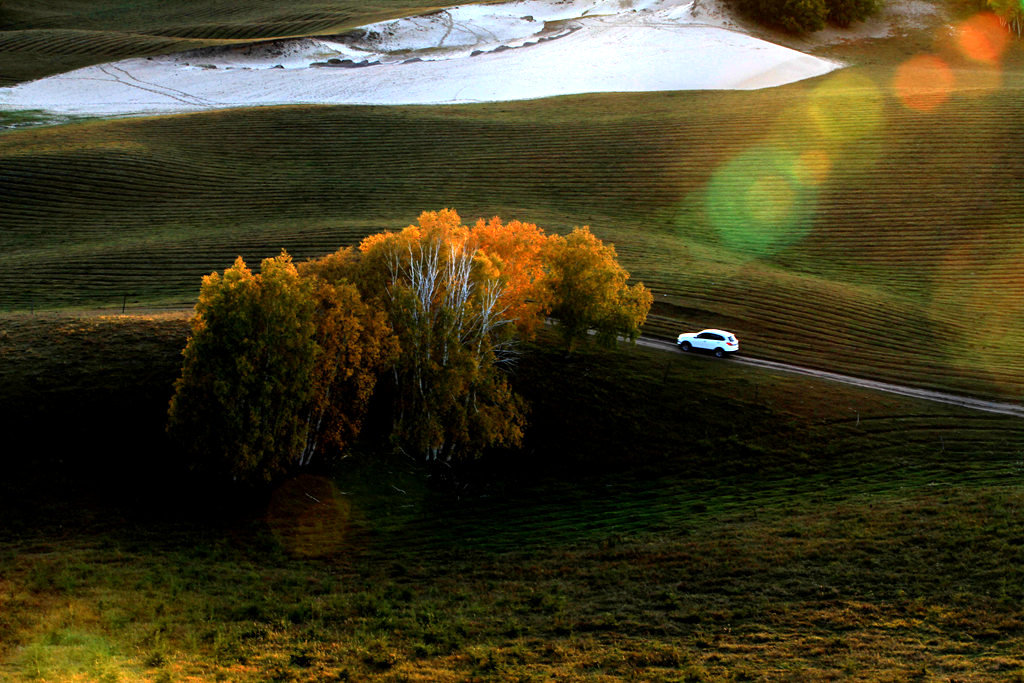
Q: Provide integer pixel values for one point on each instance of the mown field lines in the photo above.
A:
(921, 452)
(665, 514)
(72, 42)
(35, 53)
(875, 248)
(43, 38)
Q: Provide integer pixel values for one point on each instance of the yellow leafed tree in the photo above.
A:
(589, 291)
(281, 365)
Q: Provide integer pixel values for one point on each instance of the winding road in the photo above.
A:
(1014, 409)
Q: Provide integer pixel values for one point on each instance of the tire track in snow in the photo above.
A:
(184, 98)
(196, 99)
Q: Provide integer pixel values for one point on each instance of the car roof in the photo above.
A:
(717, 331)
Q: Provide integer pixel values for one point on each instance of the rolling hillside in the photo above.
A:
(826, 222)
(669, 517)
(43, 38)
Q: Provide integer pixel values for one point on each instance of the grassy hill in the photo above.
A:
(40, 39)
(671, 517)
(881, 240)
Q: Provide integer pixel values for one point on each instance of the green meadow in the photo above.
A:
(884, 241)
(669, 518)
(40, 39)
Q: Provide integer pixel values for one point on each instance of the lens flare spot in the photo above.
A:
(923, 82)
(770, 199)
(846, 107)
(813, 166)
(977, 285)
(758, 203)
(982, 38)
(309, 517)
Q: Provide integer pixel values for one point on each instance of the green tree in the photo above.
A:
(845, 12)
(804, 16)
(246, 378)
(1010, 14)
(278, 367)
(795, 16)
(589, 292)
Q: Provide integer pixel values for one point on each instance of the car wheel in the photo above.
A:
(685, 346)
(719, 353)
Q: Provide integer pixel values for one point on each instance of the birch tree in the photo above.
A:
(446, 305)
(280, 366)
(514, 253)
(1010, 14)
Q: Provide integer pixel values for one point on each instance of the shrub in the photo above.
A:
(796, 16)
(845, 12)
(803, 16)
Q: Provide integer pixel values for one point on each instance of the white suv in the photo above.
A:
(719, 342)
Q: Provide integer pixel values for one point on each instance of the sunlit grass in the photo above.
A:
(70, 655)
(671, 516)
(836, 585)
(864, 250)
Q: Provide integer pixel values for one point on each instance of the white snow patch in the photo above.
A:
(473, 53)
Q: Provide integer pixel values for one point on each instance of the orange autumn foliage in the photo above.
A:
(514, 251)
(281, 365)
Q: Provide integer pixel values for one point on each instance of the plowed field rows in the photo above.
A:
(986, 448)
(824, 222)
(51, 36)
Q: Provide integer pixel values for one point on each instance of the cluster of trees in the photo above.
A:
(1009, 12)
(801, 16)
(280, 365)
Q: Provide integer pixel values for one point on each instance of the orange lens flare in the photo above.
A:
(923, 82)
(309, 517)
(982, 38)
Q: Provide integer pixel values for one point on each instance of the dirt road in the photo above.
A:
(1013, 409)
